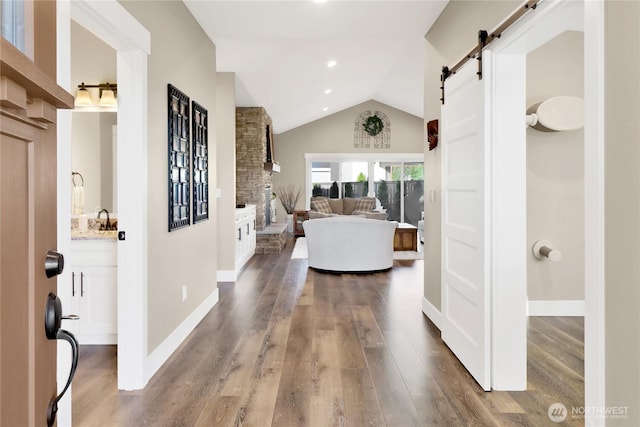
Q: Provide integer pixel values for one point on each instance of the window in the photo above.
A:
(397, 181)
(17, 16)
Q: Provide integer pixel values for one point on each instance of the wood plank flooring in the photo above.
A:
(287, 346)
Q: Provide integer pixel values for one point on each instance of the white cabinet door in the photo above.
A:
(94, 291)
(238, 241)
(98, 305)
(245, 238)
(465, 224)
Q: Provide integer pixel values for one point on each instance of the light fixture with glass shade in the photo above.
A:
(107, 94)
(83, 97)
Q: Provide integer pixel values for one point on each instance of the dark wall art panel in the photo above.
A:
(179, 159)
(200, 162)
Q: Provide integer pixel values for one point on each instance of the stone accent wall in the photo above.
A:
(251, 153)
(270, 243)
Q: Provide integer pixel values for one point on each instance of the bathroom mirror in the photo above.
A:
(93, 155)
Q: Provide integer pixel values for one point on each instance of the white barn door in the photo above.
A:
(465, 223)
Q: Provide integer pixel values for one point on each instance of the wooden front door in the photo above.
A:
(29, 98)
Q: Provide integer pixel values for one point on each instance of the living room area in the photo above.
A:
(333, 158)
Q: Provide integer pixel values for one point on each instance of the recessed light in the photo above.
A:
(319, 1)
(331, 64)
(325, 108)
(327, 91)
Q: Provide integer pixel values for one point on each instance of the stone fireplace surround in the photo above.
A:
(251, 177)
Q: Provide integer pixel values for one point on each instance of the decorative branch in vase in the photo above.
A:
(289, 197)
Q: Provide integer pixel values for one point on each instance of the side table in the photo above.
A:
(298, 218)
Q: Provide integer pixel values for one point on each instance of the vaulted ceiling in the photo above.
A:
(279, 51)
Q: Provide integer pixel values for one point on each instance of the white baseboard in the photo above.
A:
(555, 308)
(226, 276)
(97, 339)
(432, 313)
(160, 355)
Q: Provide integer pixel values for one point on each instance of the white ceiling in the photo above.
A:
(279, 51)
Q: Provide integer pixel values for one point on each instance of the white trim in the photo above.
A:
(98, 339)
(226, 276)
(432, 313)
(594, 244)
(101, 17)
(111, 22)
(162, 353)
(365, 156)
(506, 142)
(63, 126)
(555, 308)
(132, 161)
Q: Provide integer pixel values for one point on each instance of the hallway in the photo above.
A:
(288, 346)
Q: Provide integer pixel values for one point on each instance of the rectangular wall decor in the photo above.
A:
(179, 159)
(200, 150)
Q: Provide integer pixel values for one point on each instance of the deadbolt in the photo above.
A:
(53, 264)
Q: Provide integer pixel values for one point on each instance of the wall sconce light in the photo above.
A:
(107, 93)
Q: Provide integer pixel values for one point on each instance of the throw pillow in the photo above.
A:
(321, 205)
(336, 206)
(365, 204)
(349, 205)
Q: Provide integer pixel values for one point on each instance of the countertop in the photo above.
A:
(94, 235)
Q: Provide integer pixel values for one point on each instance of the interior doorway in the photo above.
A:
(112, 24)
(504, 68)
(549, 20)
(556, 214)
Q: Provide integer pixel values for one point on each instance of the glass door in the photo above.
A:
(397, 183)
(413, 191)
(400, 188)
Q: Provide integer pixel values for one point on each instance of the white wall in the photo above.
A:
(182, 55)
(555, 174)
(226, 170)
(334, 134)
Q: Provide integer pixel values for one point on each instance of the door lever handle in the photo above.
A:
(71, 317)
(52, 319)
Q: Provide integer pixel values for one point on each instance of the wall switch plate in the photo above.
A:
(218, 193)
(184, 293)
(121, 235)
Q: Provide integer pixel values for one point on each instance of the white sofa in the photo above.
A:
(350, 244)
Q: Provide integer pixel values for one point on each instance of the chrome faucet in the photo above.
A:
(106, 226)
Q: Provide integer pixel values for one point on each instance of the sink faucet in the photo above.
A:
(108, 225)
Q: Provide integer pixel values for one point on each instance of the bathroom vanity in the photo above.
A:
(94, 284)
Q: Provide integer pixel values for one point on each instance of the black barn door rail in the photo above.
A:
(484, 39)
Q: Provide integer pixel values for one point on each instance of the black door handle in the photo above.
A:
(52, 320)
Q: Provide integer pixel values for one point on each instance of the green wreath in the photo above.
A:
(373, 125)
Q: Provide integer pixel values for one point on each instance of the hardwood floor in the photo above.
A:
(287, 346)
